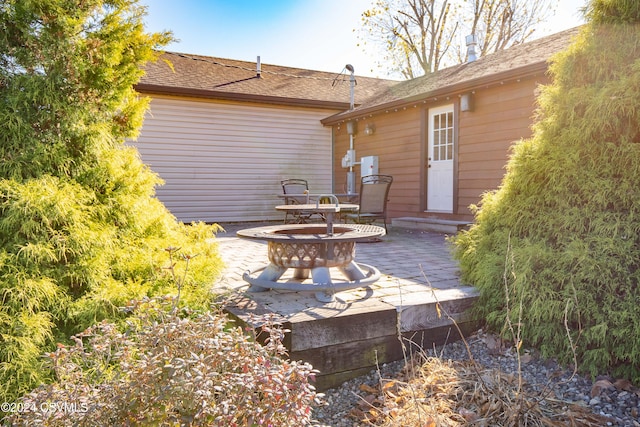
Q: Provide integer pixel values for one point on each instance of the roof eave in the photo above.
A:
(229, 96)
(528, 71)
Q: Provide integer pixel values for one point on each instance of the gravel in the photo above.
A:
(617, 400)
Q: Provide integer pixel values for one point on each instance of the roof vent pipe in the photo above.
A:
(472, 42)
(258, 68)
(352, 82)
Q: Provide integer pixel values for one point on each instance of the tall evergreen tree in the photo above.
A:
(560, 239)
(81, 232)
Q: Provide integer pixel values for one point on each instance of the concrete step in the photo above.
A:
(436, 225)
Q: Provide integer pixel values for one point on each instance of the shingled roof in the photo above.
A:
(209, 77)
(219, 78)
(524, 60)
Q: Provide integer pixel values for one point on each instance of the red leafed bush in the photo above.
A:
(169, 369)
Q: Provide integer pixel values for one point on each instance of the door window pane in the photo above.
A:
(442, 136)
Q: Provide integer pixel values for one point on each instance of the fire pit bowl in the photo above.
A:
(310, 249)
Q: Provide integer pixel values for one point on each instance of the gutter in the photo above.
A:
(526, 72)
(229, 96)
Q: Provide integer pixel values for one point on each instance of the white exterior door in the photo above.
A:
(440, 159)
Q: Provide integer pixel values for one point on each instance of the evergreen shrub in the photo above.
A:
(81, 232)
(561, 236)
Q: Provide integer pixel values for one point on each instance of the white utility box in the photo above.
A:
(369, 165)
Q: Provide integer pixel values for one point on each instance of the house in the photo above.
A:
(446, 137)
(223, 133)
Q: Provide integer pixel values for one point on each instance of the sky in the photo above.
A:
(312, 34)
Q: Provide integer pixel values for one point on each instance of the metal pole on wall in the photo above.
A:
(351, 176)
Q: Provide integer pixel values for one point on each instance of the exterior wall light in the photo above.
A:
(369, 129)
(466, 102)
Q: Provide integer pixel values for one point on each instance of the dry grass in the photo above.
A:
(437, 392)
(432, 391)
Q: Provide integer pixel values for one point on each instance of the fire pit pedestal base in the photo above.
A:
(311, 251)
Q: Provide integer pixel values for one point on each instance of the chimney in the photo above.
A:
(472, 42)
(258, 68)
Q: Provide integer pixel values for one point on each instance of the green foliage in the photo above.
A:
(614, 11)
(166, 369)
(562, 233)
(81, 232)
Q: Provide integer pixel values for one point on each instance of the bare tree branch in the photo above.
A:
(422, 36)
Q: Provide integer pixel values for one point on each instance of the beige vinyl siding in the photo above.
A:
(223, 161)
